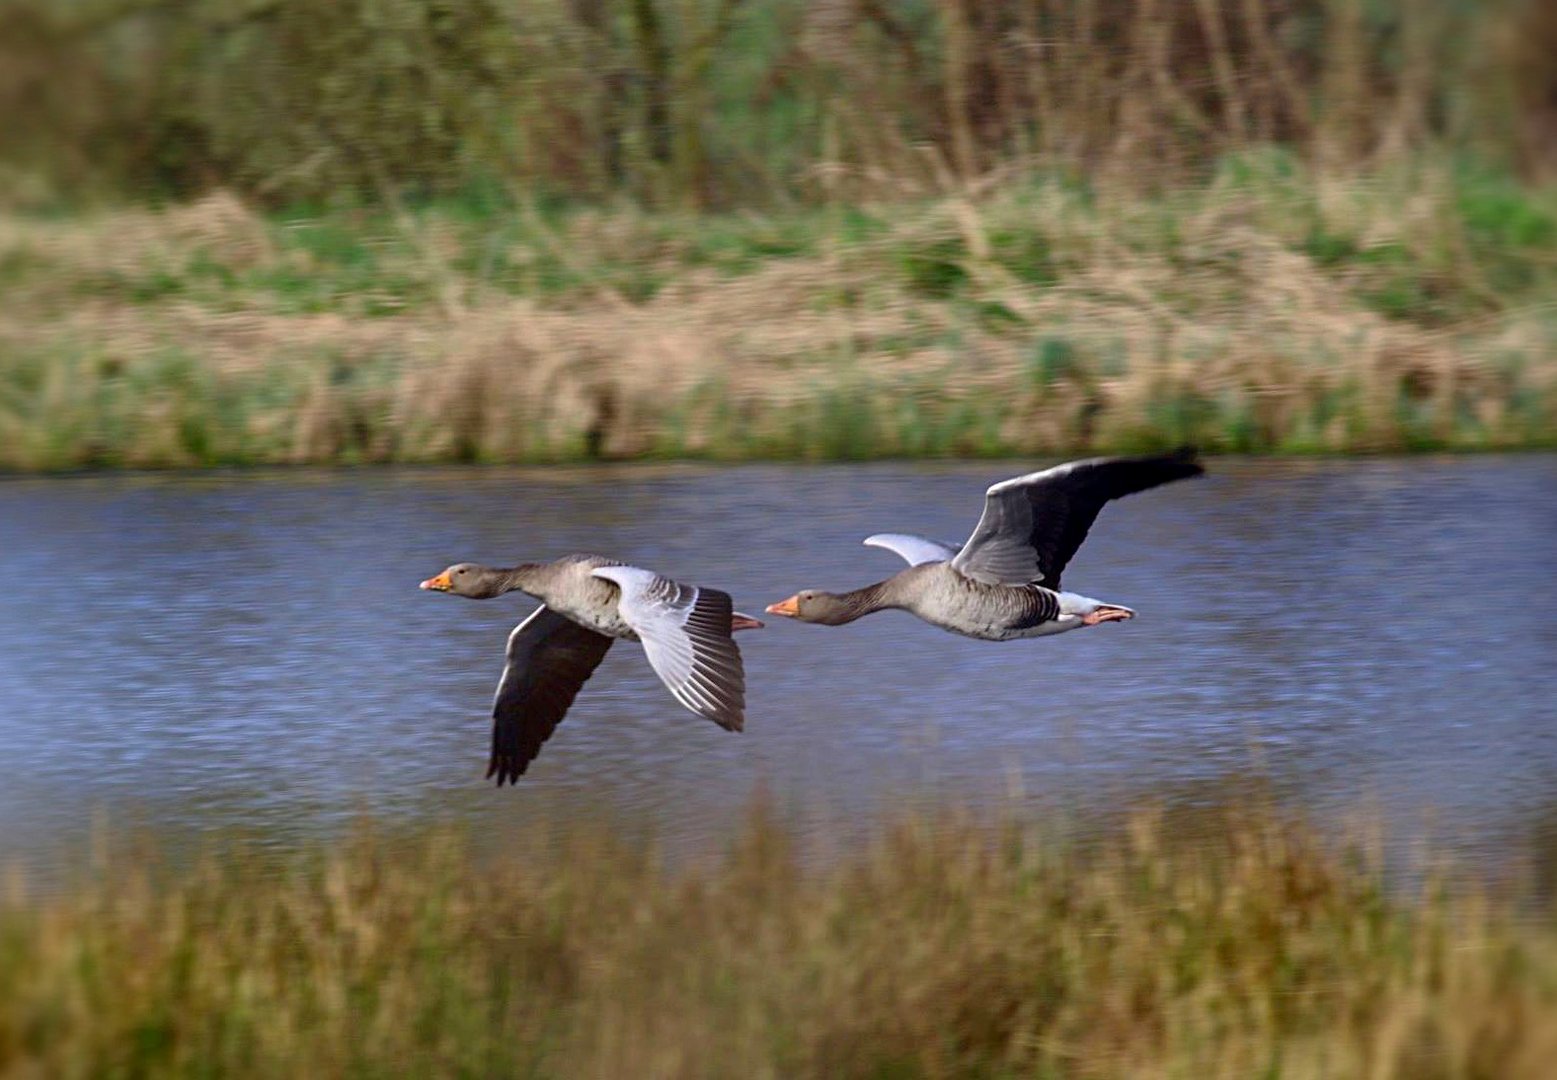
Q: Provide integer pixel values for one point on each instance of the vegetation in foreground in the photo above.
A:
(1239, 944)
(1272, 308)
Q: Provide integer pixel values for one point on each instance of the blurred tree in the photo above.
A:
(722, 102)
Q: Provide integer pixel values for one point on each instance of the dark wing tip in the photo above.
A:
(719, 697)
(1187, 462)
(1106, 479)
(1187, 455)
(1142, 473)
(507, 768)
(730, 721)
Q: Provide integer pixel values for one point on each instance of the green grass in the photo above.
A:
(1271, 308)
(1227, 942)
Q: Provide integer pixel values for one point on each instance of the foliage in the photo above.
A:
(745, 102)
(1227, 942)
(1274, 307)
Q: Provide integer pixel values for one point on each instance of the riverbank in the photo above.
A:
(1270, 309)
(1224, 943)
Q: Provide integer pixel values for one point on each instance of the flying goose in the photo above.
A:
(1004, 583)
(588, 601)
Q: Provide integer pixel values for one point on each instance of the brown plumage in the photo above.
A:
(1004, 582)
(588, 602)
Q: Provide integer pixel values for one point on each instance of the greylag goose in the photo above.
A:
(587, 602)
(1004, 583)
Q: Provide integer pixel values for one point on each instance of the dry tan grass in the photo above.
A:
(1236, 943)
(1202, 319)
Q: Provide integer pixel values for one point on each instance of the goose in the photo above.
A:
(587, 602)
(1004, 582)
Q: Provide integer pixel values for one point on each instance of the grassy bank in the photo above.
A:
(1271, 307)
(1241, 945)
(741, 229)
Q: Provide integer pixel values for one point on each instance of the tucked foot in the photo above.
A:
(1107, 613)
(739, 621)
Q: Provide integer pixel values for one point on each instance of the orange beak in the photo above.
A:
(790, 607)
(441, 583)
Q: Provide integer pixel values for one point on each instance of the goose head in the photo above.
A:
(817, 606)
(469, 579)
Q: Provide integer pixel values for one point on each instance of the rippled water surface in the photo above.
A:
(199, 652)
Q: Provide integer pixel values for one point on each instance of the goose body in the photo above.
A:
(570, 587)
(939, 594)
(1004, 582)
(588, 602)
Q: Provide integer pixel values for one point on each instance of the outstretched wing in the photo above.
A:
(686, 634)
(549, 658)
(914, 549)
(1033, 524)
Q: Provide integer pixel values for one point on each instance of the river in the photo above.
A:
(205, 652)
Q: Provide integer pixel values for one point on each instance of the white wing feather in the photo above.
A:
(686, 635)
(913, 549)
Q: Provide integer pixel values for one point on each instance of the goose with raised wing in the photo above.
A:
(1004, 582)
(587, 602)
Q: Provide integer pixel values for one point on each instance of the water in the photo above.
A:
(217, 651)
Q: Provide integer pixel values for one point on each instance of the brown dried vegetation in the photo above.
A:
(815, 228)
(1272, 309)
(1238, 943)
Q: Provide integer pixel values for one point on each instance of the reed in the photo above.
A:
(1273, 307)
(731, 103)
(1236, 943)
